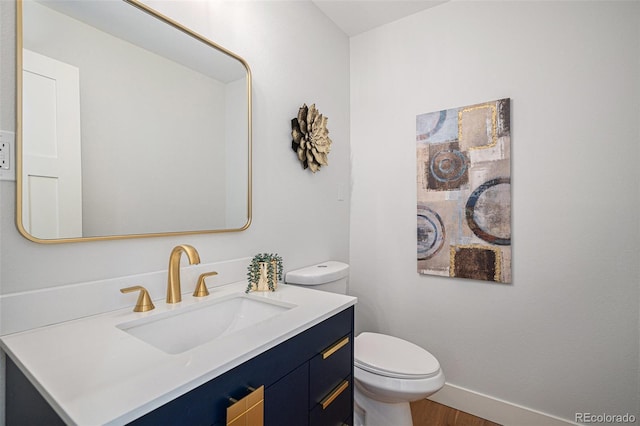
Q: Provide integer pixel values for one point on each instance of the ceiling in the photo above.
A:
(357, 16)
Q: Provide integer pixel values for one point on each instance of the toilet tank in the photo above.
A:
(326, 276)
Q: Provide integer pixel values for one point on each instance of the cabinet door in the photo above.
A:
(285, 402)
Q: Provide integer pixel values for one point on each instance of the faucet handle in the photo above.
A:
(201, 287)
(144, 302)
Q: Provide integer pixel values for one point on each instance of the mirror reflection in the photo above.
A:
(132, 125)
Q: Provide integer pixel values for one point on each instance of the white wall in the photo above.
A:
(563, 338)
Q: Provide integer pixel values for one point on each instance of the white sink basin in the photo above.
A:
(183, 329)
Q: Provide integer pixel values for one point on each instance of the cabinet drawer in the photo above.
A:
(329, 368)
(331, 331)
(336, 407)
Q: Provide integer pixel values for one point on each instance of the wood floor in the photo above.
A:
(429, 413)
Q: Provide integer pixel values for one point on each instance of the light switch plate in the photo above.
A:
(7, 155)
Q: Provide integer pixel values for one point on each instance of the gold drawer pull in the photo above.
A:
(247, 411)
(334, 394)
(333, 349)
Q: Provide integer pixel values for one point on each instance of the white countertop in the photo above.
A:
(92, 373)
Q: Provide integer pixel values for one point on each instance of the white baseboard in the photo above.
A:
(493, 409)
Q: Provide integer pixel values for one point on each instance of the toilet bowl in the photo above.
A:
(389, 372)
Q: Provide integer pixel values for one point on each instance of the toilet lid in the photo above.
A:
(393, 357)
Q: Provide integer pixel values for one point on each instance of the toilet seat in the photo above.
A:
(390, 356)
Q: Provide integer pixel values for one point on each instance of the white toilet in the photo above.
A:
(389, 372)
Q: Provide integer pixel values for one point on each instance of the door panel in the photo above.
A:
(52, 161)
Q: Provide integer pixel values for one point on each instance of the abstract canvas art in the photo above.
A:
(464, 192)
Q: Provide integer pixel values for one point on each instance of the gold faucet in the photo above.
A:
(174, 295)
(201, 287)
(144, 302)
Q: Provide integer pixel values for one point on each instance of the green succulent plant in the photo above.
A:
(274, 270)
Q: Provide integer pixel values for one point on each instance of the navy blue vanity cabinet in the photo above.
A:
(308, 380)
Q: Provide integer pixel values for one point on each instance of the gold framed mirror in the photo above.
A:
(128, 125)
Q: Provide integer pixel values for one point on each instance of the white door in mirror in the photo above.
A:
(51, 169)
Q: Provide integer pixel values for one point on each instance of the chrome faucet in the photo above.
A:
(174, 295)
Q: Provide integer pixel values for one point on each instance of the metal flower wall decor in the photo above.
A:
(310, 138)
